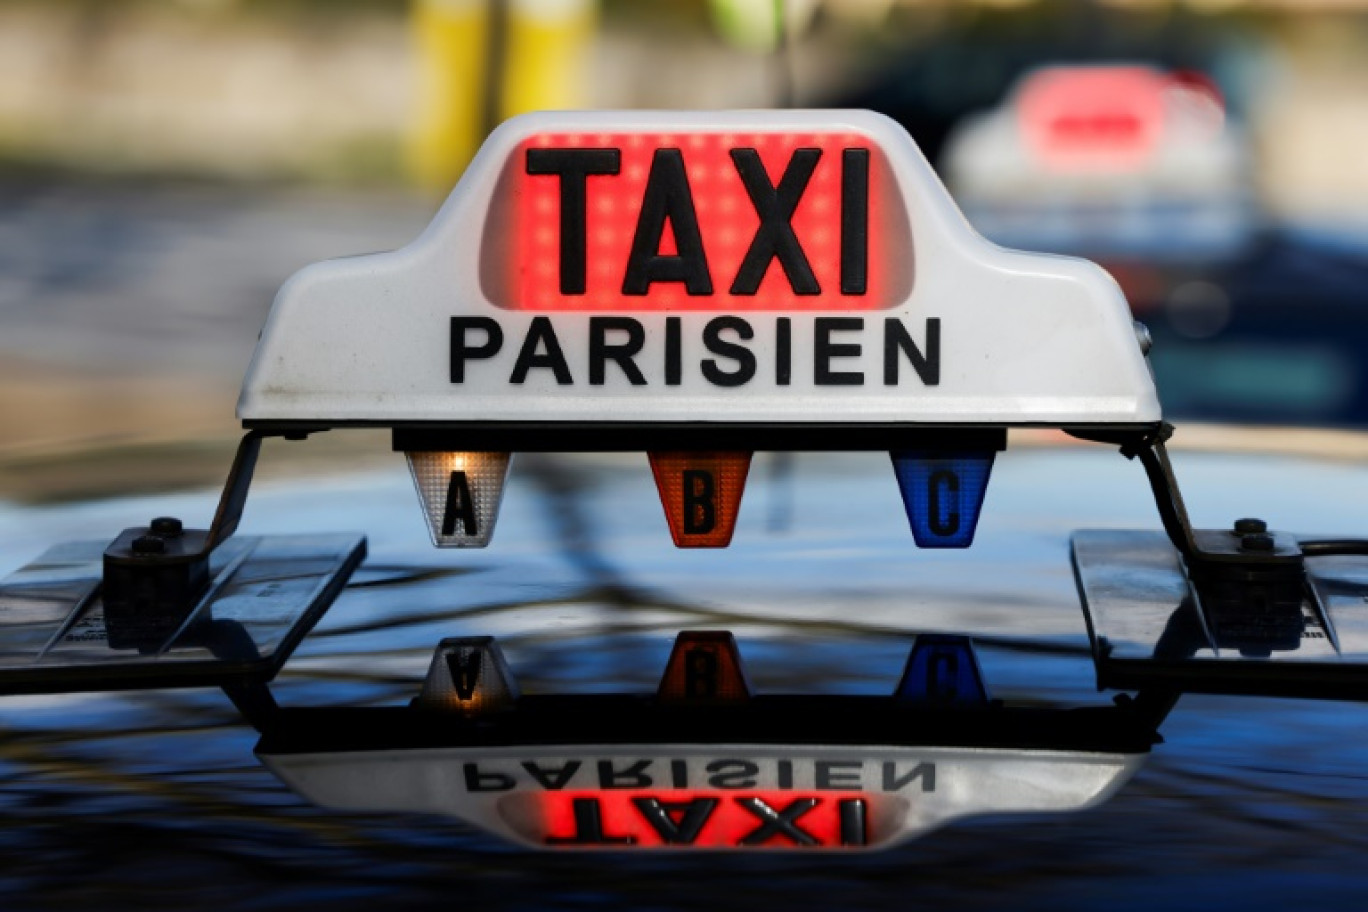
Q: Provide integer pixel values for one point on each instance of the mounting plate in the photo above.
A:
(264, 596)
(1148, 629)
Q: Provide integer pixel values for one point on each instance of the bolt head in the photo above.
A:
(1143, 337)
(167, 526)
(1248, 526)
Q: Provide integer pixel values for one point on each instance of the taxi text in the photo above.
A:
(617, 347)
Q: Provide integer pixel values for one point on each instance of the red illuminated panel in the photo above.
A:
(1094, 118)
(650, 222)
(740, 819)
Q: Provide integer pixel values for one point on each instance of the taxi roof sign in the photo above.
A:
(763, 267)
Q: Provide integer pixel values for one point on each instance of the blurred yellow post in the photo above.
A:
(548, 51)
(537, 50)
(449, 115)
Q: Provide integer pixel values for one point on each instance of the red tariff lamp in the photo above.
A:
(701, 493)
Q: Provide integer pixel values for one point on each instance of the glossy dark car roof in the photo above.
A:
(156, 798)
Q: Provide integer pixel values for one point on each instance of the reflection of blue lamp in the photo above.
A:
(943, 669)
(943, 494)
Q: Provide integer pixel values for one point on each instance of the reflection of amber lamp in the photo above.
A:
(468, 675)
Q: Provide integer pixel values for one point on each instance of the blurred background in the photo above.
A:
(166, 164)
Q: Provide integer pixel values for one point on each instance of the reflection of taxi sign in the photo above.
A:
(708, 764)
(679, 283)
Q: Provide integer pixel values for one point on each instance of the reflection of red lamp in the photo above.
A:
(706, 820)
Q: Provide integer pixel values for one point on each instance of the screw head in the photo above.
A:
(168, 526)
(149, 544)
(1256, 541)
(1250, 525)
(1143, 337)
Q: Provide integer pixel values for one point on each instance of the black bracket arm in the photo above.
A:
(154, 575)
(1148, 445)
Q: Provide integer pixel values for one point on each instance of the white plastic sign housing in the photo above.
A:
(729, 267)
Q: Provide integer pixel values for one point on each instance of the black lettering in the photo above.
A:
(783, 351)
(785, 774)
(854, 220)
(732, 774)
(778, 821)
(838, 774)
(589, 827)
(679, 774)
(744, 357)
(854, 830)
(459, 505)
(774, 238)
(700, 673)
(667, 196)
(573, 166)
(896, 339)
(700, 506)
(477, 781)
(465, 673)
(941, 513)
(823, 350)
(601, 352)
(541, 333)
(461, 352)
(673, 352)
(677, 822)
(552, 779)
(633, 776)
(893, 782)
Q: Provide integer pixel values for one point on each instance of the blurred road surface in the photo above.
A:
(128, 315)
